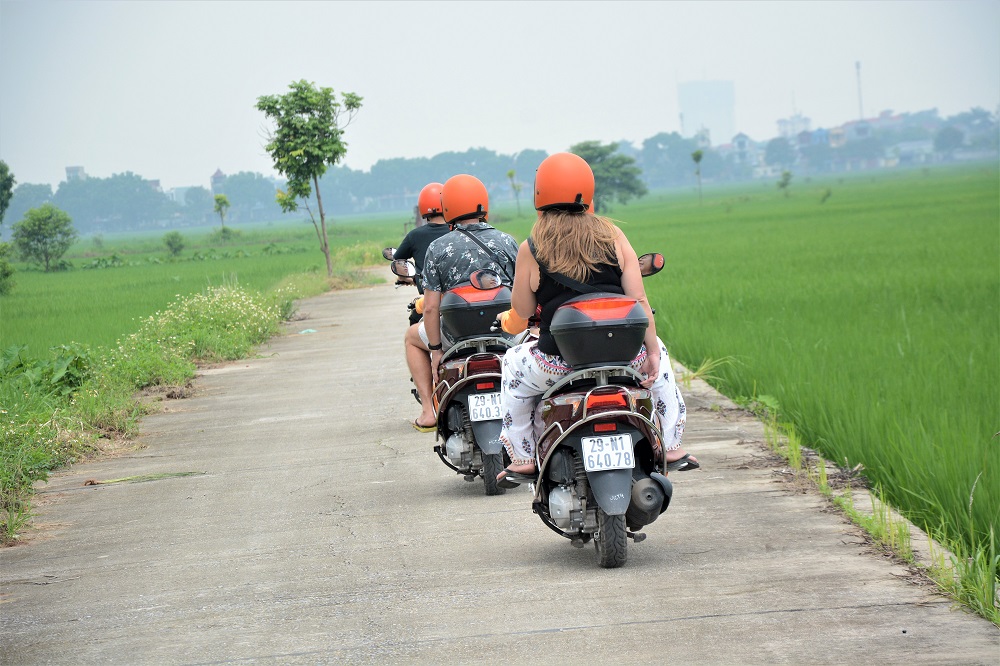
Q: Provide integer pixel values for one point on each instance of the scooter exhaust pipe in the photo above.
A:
(648, 502)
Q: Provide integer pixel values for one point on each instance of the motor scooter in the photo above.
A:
(600, 460)
(467, 392)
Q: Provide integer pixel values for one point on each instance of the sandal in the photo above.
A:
(510, 476)
(420, 428)
(683, 464)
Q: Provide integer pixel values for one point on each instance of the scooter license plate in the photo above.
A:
(608, 452)
(484, 407)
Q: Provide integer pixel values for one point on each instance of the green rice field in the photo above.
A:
(873, 318)
(96, 306)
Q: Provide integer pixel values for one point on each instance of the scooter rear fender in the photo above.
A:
(612, 489)
(488, 436)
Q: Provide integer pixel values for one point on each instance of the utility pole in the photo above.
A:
(861, 108)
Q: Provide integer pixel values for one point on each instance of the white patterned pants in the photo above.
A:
(528, 373)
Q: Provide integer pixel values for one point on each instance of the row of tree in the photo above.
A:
(127, 201)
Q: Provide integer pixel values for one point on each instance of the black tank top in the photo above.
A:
(550, 295)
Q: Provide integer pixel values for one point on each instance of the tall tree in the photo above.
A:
(785, 182)
(44, 235)
(6, 192)
(221, 206)
(696, 156)
(6, 269)
(616, 176)
(6, 188)
(516, 187)
(306, 139)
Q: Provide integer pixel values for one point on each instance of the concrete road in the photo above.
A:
(321, 528)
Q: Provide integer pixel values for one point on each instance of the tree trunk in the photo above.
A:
(324, 242)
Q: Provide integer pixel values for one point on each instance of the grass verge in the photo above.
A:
(57, 410)
(967, 576)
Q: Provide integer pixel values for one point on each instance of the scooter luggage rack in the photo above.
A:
(586, 420)
(449, 389)
(601, 375)
(481, 344)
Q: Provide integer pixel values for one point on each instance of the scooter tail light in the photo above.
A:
(484, 365)
(602, 401)
(605, 427)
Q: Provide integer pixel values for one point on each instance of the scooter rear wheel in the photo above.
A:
(492, 465)
(610, 540)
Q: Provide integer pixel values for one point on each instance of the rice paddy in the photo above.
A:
(872, 318)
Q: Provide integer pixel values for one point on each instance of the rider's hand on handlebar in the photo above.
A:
(509, 322)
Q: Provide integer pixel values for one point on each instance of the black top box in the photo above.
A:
(467, 312)
(599, 329)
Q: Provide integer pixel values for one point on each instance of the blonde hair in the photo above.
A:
(574, 243)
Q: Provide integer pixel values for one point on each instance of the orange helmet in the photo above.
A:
(464, 197)
(429, 201)
(564, 181)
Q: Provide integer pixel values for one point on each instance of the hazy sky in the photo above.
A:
(167, 89)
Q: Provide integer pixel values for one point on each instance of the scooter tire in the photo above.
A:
(492, 465)
(610, 540)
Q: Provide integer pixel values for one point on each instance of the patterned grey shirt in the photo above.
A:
(452, 258)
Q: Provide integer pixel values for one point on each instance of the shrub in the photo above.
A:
(174, 242)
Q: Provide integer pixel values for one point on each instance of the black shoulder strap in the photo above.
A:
(564, 280)
(499, 262)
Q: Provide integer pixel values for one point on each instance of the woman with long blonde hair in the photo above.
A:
(570, 240)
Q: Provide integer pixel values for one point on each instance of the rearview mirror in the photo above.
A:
(485, 279)
(403, 268)
(651, 264)
(388, 253)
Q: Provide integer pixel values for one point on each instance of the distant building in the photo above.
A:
(703, 138)
(744, 150)
(75, 173)
(913, 152)
(790, 128)
(218, 178)
(178, 195)
(707, 106)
